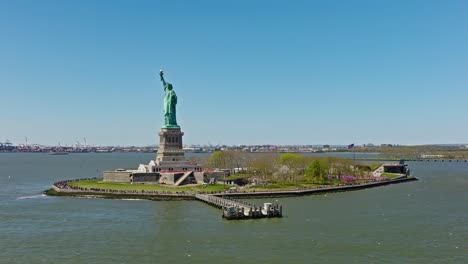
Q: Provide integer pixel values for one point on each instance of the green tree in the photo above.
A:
(227, 159)
(217, 160)
(291, 160)
(315, 172)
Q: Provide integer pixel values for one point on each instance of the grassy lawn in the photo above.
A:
(147, 187)
(282, 186)
(374, 166)
(390, 175)
(273, 186)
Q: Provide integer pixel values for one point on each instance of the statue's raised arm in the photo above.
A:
(161, 73)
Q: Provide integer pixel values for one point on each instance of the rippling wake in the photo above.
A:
(35, 196)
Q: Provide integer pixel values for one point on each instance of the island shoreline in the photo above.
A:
(55, 191)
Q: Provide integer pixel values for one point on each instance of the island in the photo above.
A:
(228, 174)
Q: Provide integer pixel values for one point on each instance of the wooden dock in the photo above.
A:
(236, 209)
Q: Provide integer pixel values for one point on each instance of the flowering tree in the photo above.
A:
(348, 179)
(294, 164)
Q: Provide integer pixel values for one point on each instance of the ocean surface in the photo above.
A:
(418, 222)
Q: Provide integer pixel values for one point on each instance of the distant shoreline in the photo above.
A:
(378, 156)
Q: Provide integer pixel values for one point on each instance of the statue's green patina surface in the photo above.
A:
(170, 102)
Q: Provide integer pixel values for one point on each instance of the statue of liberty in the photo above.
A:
(170, 102)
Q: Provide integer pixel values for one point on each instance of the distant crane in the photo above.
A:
(85, 144)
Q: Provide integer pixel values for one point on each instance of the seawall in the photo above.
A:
(163, 196)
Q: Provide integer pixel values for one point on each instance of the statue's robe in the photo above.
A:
(170, 101)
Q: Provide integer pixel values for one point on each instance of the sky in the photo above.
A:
(245, 72)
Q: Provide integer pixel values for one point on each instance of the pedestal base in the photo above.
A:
(170, 145)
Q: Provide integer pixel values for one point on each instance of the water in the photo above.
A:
(419, 222)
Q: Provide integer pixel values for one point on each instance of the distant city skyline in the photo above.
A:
(245, 73)
(152, 145)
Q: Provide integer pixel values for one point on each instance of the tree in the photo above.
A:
(226, 159)
(217, 160)
(235, 159)
(294, 165)
(315, 172)
(265, 165)
(339, 166)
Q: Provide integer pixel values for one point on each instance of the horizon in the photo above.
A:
(244, 73)
(239, 145)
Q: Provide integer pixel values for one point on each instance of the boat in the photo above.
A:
(59, 153)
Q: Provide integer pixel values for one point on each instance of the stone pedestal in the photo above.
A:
(170, 166)
(170, 146)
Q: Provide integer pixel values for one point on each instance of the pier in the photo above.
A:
(236, 209)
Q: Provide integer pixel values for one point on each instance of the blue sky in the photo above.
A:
(245, 72)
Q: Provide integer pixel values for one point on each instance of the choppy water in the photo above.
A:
(418, 222)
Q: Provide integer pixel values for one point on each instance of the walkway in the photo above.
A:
(235, 209)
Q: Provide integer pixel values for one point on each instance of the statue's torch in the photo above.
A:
(161, 73)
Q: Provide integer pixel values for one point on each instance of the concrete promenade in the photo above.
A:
(62, 188)
(104, 192)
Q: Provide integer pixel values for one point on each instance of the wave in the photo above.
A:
(35, 196)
